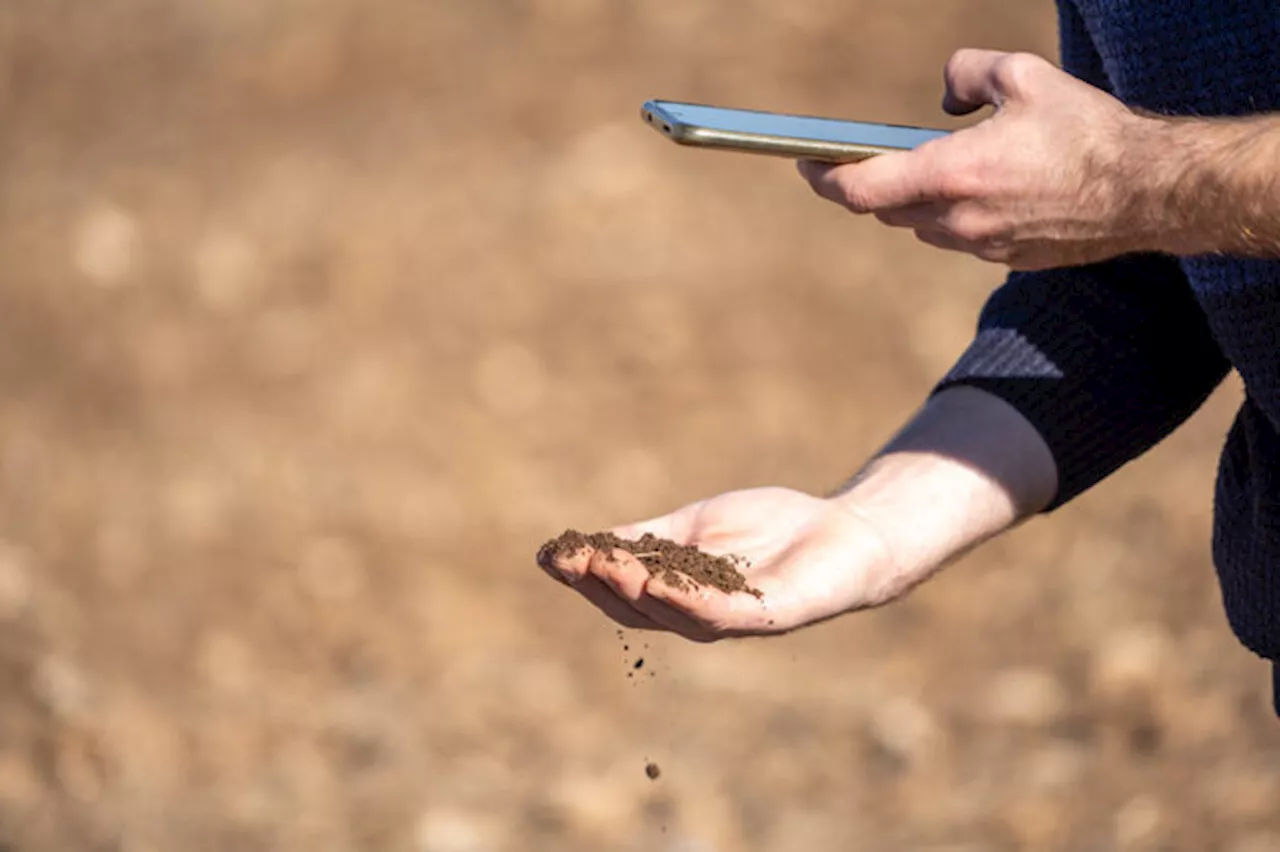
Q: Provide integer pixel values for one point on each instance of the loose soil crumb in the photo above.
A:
(653, 770)
(678, 565)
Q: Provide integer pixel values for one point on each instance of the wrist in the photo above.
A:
(889, 568)
(967, 467)
(891, 499)
(923, 510)
(1146, 175)
(1188, 181)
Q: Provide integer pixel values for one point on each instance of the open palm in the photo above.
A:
(811, 558)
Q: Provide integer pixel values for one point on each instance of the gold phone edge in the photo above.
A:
(775, 146)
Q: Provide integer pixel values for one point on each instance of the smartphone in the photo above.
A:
(800, 137)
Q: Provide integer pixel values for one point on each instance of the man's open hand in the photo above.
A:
(1053, 178)
(812, 559)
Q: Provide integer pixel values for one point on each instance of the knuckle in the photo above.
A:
(996, 249)
(856, 197)
(1021, 258)
(993, 254)
(957, 184)
(1016, 72)
(957, 62)
(954, 171)
(965, 225)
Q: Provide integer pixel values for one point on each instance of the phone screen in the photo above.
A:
(798, 126)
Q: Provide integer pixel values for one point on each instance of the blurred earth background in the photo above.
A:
(317, 318)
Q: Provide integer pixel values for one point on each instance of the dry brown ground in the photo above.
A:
(316, 318)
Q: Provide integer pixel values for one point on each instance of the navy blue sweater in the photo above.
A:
(1105, 360)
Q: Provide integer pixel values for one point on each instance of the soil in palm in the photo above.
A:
(677, 565)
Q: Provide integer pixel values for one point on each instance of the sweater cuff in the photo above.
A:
(1062, 405)
(1103, 361)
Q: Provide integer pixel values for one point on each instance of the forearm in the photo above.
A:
(967, 467)
(1213, 185)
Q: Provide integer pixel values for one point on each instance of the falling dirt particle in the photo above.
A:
(626, 647)
(652, 770)
(639, 664)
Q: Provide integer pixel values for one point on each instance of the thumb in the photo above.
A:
(974, 79)
(679, 526)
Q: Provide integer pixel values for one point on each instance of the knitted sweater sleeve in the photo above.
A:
(1103, 360)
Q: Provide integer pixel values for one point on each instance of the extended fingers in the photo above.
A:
(955, 227)
(878, 183)
(605, 600)
(713, 610)
(937, 220)
(630, 581)
(620, 571)
(606, 589)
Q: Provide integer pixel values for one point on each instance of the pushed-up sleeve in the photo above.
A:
(1104, 360)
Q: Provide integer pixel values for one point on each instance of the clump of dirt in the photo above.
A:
(678, 565)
